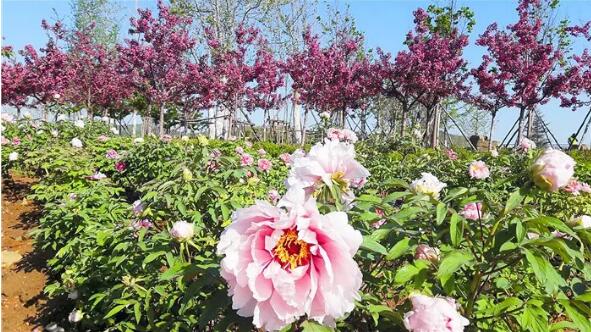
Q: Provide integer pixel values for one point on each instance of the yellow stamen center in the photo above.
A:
(290, 251)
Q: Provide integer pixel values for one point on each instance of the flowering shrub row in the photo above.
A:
(180, 234)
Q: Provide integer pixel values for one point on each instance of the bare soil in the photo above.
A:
(24, 306)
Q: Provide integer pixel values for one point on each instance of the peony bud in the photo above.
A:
(182, 230)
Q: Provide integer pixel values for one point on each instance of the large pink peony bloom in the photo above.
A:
(526, 144)
(434, 314)
(264, 165)
(553, 170)
(328, 163)
(283, 264)
(478, 170)
(246, 159)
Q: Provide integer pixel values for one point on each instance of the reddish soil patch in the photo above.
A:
(23, 300)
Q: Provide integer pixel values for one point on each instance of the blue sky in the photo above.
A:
(384, 23)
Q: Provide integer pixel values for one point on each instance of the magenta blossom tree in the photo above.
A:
(522, 67)
(15, 90)
(431, 70)
(157, 59)
(338, 78)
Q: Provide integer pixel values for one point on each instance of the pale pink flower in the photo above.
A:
(494, 153)
(137, 225)
(427, 184)
(378, 223)
(16, 141)
(451, 154)
(333, 134)
(215, 154)
(262, 152)
(103, 138)
(574, 187)
(5, 140)
(286, 158)
(246, 159)
(97, 176)
(428, 253)
(434, 314)
(273, 196)
(239, 150)
(166, 138)
(7, 117)
(348, 136)
(283, 264)
(264, 165)
(137, 207)
(526, 144)
(472, 211)
(478, 170)
(553, 170)
(248, 144)
(330, 163)
(298, 153)
(182, 230)
(585, 187)
(112, 154)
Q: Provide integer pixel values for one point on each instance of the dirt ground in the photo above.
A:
(23, 301)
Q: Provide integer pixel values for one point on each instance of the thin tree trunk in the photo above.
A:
(520, 126)
(435, 128)
(297, 119)
(492, 128)
(404, 119)
(304, 128)
(161, 131)
(530, 122)
(265, 125)
(133, 119)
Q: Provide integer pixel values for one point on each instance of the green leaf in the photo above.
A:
(137, 312)
(441, 213)
(115, 310)
(405, 273)
(451, 263)
(456, 229)
(534, 319)
(514, 200)
(312, 326)
(544, 271)
(507, 304)
(453, 193)
(576, 316)
(372, 245)
(151, 257)
(398, 249)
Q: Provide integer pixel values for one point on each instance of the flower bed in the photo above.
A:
(181, 234)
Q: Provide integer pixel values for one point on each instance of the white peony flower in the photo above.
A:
(62, 117)
(182, 230)
(428, 184)
(13, 156)
(77, 143)
(79, 123)
(75, 316)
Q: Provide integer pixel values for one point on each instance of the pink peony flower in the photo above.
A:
(239, 150)
(262, 152)
(526, 144)
(97, 176)
(5, 140)
(472, 211)
(348, 136)
(330, 163)
(103, 138)
(16, 141)
(478, 170)
(212, 166)
(553, 170)
(182, 230)
(574, 187)
(378, 223)
(137, 225)
(585, 187)
(215, 154)
(246, 159)
(451, 154)
(120, 166)
(283, 264)
(248, 144)
(112, 154)
(137, 207)
(264, 165)
(166, 138)
(431, 314)
(286, 158)
(273, 196)
(428, 253)
(333, 134)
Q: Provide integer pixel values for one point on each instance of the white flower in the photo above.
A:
(182, 230)
(185, 138)
(54, 133)
(584, 221)
(75, 316)
(73, 294)
(115, 131)
(105, 119)
(62, 117)
(138, 140)
(494, 153)
(13, 156)
(56, 96)
(428, 184)
(325, 115)
(79, 123)
(77, 143)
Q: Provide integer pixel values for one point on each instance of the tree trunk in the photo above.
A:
(363, 123)
(161, 120)
(435, 128)
(530, 122)
(133, 119)
(520, 126)
(265, 125)
(297, 119)
(403, 120)
(304, 128)
(491, 129)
